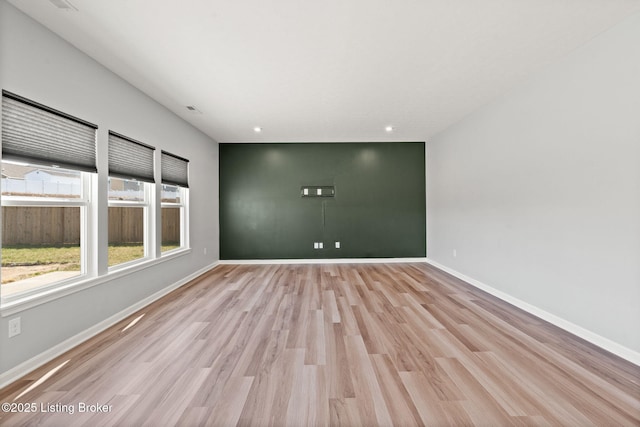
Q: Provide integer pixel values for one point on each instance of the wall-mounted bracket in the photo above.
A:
(317, 191)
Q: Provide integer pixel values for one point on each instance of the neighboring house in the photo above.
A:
(19, 179)
(54, 176)
(13, 171)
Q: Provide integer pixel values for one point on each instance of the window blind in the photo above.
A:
(34, 133)
(130, 159)
(175, 170)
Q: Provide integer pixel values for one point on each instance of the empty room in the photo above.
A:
(320, 213)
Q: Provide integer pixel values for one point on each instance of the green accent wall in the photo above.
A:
(378, 210)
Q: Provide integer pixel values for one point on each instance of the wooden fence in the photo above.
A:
(23, 225)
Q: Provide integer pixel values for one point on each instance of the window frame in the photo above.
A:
(86, 236)
(148, 230)
(184, 223)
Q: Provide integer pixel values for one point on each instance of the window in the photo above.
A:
(128, 221)
(173, 226)
(43, 217)
(130, 172)
(175, 182)
(49, 214)
(46, 159)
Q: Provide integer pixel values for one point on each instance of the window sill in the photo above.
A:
(12, 305)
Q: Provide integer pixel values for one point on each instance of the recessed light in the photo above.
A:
(388, 128)
(64, 5)
(257, 129)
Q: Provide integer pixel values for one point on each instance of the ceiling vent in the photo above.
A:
(64, 5)
(193, 109)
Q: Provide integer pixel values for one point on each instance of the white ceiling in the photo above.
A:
(330, 70)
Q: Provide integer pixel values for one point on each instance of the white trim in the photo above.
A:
(13, 305)
(598, 340)
(128, 203)
(35, 362)
(43, 202)
(323, 261)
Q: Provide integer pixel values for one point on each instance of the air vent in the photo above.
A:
(64, 5)
(193, 109)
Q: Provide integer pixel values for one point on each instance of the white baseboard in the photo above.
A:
(598, 340)
(324, 261)
(35, 362)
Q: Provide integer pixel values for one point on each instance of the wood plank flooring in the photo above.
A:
(339, 345)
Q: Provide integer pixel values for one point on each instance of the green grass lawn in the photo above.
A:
(40, 255)
(124, 252)
(66, 258)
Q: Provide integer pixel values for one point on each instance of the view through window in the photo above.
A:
(127, 218)
(50, 217)
(42, 209)
(172, 217)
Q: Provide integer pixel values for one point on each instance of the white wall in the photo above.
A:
(39, 65)
(539, 192)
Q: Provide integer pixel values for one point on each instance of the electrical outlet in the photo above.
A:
(14, 327)
(205, 251)
(320, 245)
(455, 253)
(316, 245)
(337, 245)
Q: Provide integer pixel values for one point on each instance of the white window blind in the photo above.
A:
(130, 159)
(175, 170)
(34, 133)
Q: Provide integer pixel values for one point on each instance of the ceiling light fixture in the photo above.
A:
(257, 129)
(388, 129)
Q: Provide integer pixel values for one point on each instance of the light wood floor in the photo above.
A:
(317, 345)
